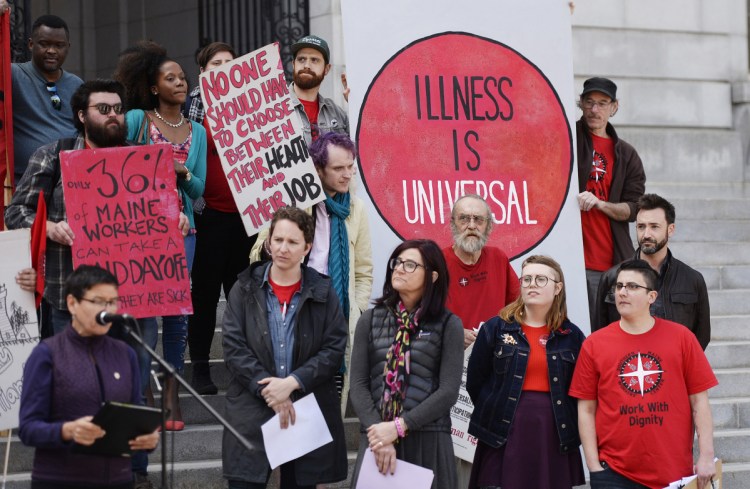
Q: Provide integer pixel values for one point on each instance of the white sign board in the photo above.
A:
(19, 331)
(449, 98)
(259, 137)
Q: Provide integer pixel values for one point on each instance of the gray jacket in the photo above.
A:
(331, 117)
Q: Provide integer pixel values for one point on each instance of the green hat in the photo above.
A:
(313, 42)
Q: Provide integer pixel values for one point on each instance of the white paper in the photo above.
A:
(309, 432)
(407, 476)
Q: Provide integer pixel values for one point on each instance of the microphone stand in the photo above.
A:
(128, 325)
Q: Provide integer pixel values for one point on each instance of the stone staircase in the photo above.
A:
(713, 235)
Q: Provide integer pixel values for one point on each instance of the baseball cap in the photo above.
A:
(314, 42)
(603, 85)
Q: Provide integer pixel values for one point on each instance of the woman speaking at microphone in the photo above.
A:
(69, 376)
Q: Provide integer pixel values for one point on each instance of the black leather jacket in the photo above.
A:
(684, 295)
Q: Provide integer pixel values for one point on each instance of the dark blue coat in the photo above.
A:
(496, 372)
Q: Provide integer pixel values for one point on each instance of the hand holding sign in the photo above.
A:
(123, 208)
(259, 137)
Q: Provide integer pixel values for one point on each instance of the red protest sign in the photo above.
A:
(456, 113)
(123, 208)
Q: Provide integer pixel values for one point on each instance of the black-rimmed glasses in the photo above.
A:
(408, 265)
(53, 96)
(630, 286)
(101, 302)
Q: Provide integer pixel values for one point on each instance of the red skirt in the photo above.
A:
(531, 457)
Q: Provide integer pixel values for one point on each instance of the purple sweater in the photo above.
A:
(61, 384)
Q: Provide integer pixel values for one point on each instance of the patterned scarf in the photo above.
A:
(338, 253)
(397, 364)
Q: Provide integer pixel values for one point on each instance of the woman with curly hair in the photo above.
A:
(155, 89)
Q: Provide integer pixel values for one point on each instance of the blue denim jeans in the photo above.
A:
(609, 479)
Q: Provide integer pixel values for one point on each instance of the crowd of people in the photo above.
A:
(299, 319)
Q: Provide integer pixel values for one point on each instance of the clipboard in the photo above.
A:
(121, 422)
(691, 482)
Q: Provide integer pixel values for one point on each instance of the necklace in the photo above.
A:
(179, 124)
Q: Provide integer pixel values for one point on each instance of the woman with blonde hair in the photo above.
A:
(518, 378)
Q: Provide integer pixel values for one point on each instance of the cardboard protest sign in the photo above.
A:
(259, 137)
(123, 207)
(451, 100)
(19, 332)
(464, 445)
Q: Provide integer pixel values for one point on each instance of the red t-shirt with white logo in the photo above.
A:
(644, 422)
(477, 292)
(598, 249)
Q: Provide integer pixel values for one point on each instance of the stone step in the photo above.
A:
(729, 302)
(728, 354)
(733, 382)
(726, 276)
(688, 229)
(720, 253)
(731, 446)
(730, 328)
(736, 476)
(730, 413)
(203, 474)
(216, 346)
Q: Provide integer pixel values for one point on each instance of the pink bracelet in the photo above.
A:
(399, 428)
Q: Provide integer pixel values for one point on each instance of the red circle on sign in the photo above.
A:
(456, 113)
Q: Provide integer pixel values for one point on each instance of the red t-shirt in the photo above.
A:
(537, 376)
(312, 109)
(478, 292)
(598, 249)
(217, 194)
(284, 293)
(644, 424)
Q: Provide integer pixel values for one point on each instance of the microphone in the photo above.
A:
(104, 318)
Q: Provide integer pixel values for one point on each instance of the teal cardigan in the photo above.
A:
(196, 160)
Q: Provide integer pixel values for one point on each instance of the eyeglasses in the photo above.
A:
(467, 218)
(631, 287)
(102, 302)
(104, 109)
(53, 96)
(601, 105)
(539, 280)
(408, 265)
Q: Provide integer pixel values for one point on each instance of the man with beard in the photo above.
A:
(98, 116)
(611, 179)
(682, 297)
(311, 65)
(481, 279)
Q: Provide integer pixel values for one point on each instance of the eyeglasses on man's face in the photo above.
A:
(601, 104)
(53, 96)
(630, 287)
(538, 280)
(408, 265)
(465, 219)
(105, 109)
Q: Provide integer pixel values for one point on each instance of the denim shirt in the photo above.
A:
(281, 326)
(496, 372)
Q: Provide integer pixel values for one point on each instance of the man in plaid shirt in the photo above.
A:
(100, 120)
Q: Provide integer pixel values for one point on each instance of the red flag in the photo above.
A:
(39, 245)
(6, 118)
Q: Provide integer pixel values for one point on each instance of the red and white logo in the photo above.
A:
(640, 373)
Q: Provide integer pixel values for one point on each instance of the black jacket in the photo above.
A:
(320, 340)
(684, 294)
